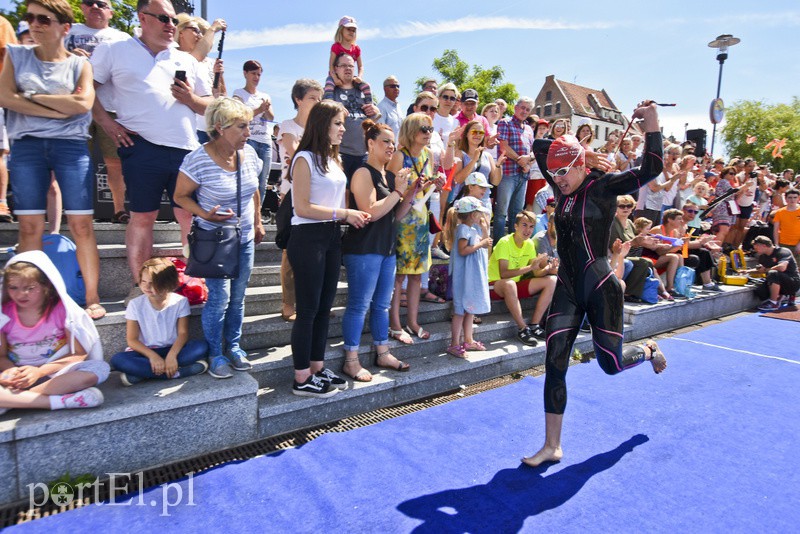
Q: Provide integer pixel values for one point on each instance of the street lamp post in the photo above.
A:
(722, 43)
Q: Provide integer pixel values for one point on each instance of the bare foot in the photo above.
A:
(546, 454)
(656, 358)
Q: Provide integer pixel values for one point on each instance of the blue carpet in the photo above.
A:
(709, 446)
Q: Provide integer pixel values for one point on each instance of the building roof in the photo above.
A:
(585, 101)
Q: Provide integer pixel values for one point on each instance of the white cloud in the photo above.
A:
(293, 34)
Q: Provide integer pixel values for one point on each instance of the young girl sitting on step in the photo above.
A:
(50, 353)
(158, 330)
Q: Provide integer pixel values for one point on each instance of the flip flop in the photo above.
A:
(401, 336)
(421, 333)
(95, 311)
(430, 297)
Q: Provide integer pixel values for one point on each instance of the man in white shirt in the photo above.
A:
(391, 114)
(157, 90)
(81, 40)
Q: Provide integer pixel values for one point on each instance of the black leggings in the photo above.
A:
(314, 250)
(598, 295)
(700, 260)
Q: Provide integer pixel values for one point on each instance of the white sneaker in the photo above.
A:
(439, 254)
(86, 398)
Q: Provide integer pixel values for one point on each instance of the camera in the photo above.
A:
(753, 174)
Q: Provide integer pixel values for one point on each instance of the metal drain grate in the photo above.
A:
(20, 512)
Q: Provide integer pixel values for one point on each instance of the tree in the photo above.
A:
(766, 122)
(124, 12)
(488, 82)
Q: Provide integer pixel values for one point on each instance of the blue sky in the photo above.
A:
(632, 49)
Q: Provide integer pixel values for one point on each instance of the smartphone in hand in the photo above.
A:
(181, 75)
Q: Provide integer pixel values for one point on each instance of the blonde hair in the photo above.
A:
(225, 111)
(184, 20)
(525, 214)
(339, 35)
(641, 223)
(163, 274)
(449, 231)
(411, 126)
(628, 199)
(29, 272)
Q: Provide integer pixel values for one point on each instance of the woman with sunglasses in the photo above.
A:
(49, 93)
(444, 122)
(195, 36)
(412, 230)
(586, 285)
(622, 228)
(474, 157)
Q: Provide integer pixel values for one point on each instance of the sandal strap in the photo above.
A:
(381, 354)
(353, 359)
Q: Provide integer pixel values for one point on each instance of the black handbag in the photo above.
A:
(214, 253)
(283, 221)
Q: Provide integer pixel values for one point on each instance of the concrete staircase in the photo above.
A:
(159, 422)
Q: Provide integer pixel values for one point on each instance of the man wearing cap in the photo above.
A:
(391, 114)
(586, 284)
(358, 107)
(516, 140)
(469, 110)
(156, 122)
(81, 40)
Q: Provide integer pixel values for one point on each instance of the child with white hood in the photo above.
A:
(50, 352)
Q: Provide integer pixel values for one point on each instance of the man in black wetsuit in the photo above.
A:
(586, 204)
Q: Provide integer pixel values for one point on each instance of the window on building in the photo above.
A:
(606, 137)
(596, 131)
(548, 96)
(558, 108)
(539, 110)
(548, 110)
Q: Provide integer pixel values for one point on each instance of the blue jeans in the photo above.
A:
(223, 313)
(264, 151)
(134, 364)
(510, 201)
(31, 161)
(370, 283)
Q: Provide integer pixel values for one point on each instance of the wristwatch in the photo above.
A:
(29, 95)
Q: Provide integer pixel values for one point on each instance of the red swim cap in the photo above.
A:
(563, 151)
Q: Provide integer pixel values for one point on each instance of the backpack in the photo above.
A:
(283, 221)
(684, 279)
(62, 252)
(194, 289)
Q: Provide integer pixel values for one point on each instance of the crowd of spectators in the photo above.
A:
(156, 106)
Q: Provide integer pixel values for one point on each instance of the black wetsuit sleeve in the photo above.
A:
(540, 149)
(626, 182)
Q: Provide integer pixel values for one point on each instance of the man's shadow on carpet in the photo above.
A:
(510, 497)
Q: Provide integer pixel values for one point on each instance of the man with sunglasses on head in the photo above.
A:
(586, 202)
(81, 41)
(391, 114)
(156, 91)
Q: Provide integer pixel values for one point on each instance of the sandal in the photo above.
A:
(401, 336)
(475, 345)
(421, 333)
(361, 376)
(430, 297)
(458, 351)
(95, 311)
(121, 217)
(401, 366)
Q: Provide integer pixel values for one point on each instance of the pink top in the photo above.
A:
(36, 345)
(354, 52)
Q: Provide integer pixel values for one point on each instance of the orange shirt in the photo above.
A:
(789, 230)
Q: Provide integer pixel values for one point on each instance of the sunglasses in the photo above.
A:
(95, 3)
(564, 170)
(41, 20)
(393, 85)
(625, 206)
(195, 30)
(477, 132)
(448, 97)
(163, 19)
(426, 129)
(687, 210)
(426, 108)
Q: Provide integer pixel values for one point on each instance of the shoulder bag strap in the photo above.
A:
(238, 188)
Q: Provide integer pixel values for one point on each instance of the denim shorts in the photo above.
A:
(33, 159)
(148, 170)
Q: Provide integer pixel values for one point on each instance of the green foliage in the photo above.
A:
(85, 480)
(123, 19)
(488, 82)
(766, 122)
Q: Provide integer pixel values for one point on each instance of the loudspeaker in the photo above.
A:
(698, 137)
